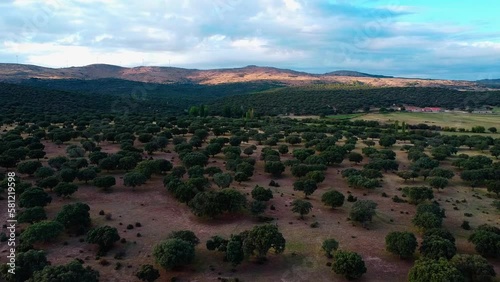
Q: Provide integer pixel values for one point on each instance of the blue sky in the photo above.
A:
(419, 38)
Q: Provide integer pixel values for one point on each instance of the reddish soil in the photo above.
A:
(159, 214)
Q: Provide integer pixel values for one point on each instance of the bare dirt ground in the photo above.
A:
(159, 214)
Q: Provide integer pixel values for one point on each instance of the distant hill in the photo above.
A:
(492, 83)
(356, 74)
(168, 75)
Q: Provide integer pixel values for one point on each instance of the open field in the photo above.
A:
(457, 120)
(346, 116)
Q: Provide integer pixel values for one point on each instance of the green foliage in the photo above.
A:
(432, 208)
(301, 207)
(173, 253)
(75, 217)
(127, 163)
(75, 151)
(29, 167)
(402, 244)
(31, 215)
(349, 99)
(257, 207)
(382, 164)
(308, 186)
(194, 158)
(48, 182)
(333, 198)
(223, 180)
(259, 193)
(240, 177)
(316, 175)
(355, 157)
(212, 203)
(493, 186)
(57, 162)
(41, 232)
(427, 270)
(427, 220)
(329, 246)
(26, 264)
(496, 204)
(86, 174)
(234, 252)
(185, 235)
(407, 174)
(435, 247)
(387, 141)
(442, 172)
(438, 182)
(73, 271)
(363, 211)
(65, 189)
(104, 182)
(43, 172)
(486, 239)
(276, 168)
(474, 268)
(134, 179)
(104, 236)
(260, 239)
(418, 195)
(147, 273)
(348, 264)
(439, 232)
(359, 181)
(33, 197)
(67, 174)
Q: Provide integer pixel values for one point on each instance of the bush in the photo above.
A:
(402, 244)
(486, 239)
(147, 273)
(465, 225)
(348, 264)
(333, 198)
(173, 253)
(330, 246)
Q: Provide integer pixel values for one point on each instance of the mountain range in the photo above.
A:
(169, 75)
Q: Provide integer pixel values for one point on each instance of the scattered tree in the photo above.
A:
(402, 244)
(173, 253)
(301, 207)
(348, 264)
(104, 236)
(333, 198)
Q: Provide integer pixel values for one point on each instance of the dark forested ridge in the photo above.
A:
(113, 96)
(330, 99)
(187, 92)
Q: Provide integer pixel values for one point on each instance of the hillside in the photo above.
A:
(168, 75)
(491, 83)
(112, 96)
(331, 99)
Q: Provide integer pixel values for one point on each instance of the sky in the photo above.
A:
(418, 38)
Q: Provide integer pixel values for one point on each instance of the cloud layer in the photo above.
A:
(381, 37)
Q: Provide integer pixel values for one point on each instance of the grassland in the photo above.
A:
(457, 120)
(346, 116)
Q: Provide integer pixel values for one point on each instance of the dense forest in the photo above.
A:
(328, 99)
(36, 97)
(124, 97)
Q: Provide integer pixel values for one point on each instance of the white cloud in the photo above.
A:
(314, 35)
(292, 5)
